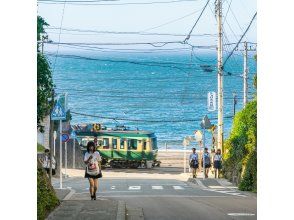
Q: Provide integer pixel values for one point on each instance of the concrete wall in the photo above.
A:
(43, 138)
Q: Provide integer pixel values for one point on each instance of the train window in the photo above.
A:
(144, 145)
(122, 142)
(105, 143)
(114, 143)
(132, 144)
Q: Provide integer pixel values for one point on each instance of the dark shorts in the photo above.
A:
(207, 165)
(194, 166)
(48, 171)
(217, 164)
(93, 177)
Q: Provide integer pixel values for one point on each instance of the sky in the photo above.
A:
(146, 18)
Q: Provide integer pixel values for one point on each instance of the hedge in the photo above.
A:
(240, 161)
(46, 196)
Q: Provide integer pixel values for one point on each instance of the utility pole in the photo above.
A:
(245, 75)
(234, 103)
(220, 76)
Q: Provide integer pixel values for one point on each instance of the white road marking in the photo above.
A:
(217, 187)
(112, 187)
(178, 188)
(199, 182)
(157, 187)
(224, 191)
(241, 214)
(134, 187)
(69, 187)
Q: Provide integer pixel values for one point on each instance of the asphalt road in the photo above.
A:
(170, 199)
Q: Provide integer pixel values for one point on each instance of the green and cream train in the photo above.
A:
(120, 147)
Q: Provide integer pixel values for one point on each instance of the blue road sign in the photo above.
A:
(60, 108)
(73, 135)
(65, 137)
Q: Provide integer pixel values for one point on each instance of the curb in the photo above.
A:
(69, 195)
(121, 211)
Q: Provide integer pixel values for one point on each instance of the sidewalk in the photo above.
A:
(102, 209)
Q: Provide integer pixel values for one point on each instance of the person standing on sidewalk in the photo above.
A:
(207, 163)
(92, 160)
(45, 161)
(217, 163)
(193, 161)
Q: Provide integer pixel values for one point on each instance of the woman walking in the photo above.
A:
(193, 159)
(217, 163)
(93, 169)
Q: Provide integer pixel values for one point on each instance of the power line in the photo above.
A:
(169, 22)
(142, 120)
(84, 32)
(188, 36)
(59, 36)
(240, 39)
(111, 4)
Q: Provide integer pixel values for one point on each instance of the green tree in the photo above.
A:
(44, 79)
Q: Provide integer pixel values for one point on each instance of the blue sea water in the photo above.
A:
(151, 87)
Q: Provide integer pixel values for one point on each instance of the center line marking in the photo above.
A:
(134, 187)
(178, 187)
(157, 187)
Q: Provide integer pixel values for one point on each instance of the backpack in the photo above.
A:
(206, 159)
(194, 162)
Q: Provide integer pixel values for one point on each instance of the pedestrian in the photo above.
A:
(193, 161)
(212, 153)
(217, 163)
(92, 160)
(207, 163)
(45, 161)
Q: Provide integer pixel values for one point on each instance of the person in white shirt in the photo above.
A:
(193, 161)
(45, 160)
(92, 160)
(217, 163)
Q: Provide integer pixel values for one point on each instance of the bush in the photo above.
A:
(40, 148)
(46, 196)
(240, 161)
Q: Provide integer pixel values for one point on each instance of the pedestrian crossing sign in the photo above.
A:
(59, 110)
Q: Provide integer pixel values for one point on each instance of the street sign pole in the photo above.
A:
(65, 159)
(60, 154)
(54, 142)
(185, 159)
(74, 154)
(203, 153)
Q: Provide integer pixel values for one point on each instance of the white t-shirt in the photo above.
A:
(96, 156)
(46, 161)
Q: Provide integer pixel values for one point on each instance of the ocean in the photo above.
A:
(161, 92)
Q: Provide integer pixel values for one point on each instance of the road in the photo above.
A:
(171, 198)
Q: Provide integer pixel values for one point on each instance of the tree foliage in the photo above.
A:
(44, 79)
(241, 158)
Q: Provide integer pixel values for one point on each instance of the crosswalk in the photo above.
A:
(225, 190)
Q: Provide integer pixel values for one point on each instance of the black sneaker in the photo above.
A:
(94, 197)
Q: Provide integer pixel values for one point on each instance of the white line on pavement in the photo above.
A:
(217, 187)
(178, 188)
(241, 214)
(157, 187)
(165, 196)
(112, 187)
(199, 182)
(134, 187)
